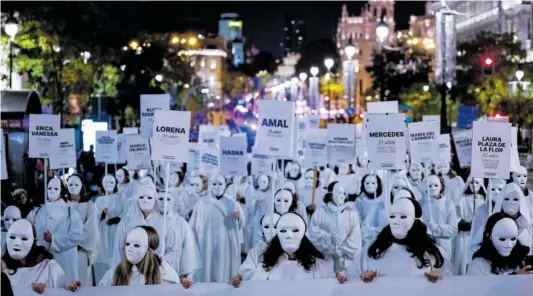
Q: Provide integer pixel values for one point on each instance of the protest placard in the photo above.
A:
(316, 152)
(138, 155)
(106, 149)
(382, 107)
(149, 104)
(423, 141)
(386, 141)
(491, 150)
(209, 160)
(193, 162)
(463, 147)
(341, 144)
(275, 130)
(170, 137)
(233, 156)
(261, 164)
(3, 168)
(65, 156)
(445, 148)
(44, 135)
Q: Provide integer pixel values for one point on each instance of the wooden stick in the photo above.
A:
(314, 187)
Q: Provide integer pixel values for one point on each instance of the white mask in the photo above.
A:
(401, 217)
(442, 168)
(54, 189)
(496, 187)
(290, 230)
(19, 239)
(511, 203)
(74, 185)
(262, 182)
(146, 199)
(293, 169)
(218, 185)
(289, 186)
(402, 193)
(173, 179)
(475, 185)
(434, 186)
(308, 179)
(397, 184)
(11, 214)
(339, 194)
(371, 184)
(415, 172)
(504, 236)
(120, 176)
(161, 202)
(520, 177)
(268, 225)
(363, 161)
(343, 169)
(195, 185)
(136, 245)
(109, 184)
(143, 173)
(283, 201)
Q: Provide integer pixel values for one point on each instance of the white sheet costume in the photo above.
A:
(519, 177)
(125, 187)
(305, 193)
(11, 214)
(484, 211)
(371, 195)
(262, 205)
(453, 184)
(186, 202)
(416, 175)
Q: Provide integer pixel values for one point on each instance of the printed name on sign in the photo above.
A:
(423, 136)
(275, 123)
(170, 129)
(386, 134)
(45, 131)
(232, 152)
(491, 144)
(150, 111)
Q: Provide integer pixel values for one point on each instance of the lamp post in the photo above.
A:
(349, 74)
(86, 56)
(11, 30)
(382, 32)
(329, 63)
(313, 89)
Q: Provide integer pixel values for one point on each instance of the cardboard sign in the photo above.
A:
(261, 164)
(435, 118)
(138, 155)
(130, 130)
(382, 107)
(3, 164)
(316, 153)
(193, 162)
(150, 103)
(313, 121)
(275, 129)
(463, 147)
(341, 143)
(360, 140)
(121, 148)
(423, 141)
(233, 156)
(44, 135)
(445, 148)
(491, 150)
(65, 157)
(386, 141)
(106, 146)
(171, 136)
(208, 135)
(209, 161)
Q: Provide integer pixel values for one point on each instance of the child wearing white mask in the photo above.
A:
(11, 214)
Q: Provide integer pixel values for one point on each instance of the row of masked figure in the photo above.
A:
(345, 221)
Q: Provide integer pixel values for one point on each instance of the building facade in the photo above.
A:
(293, 35)
(230, 28)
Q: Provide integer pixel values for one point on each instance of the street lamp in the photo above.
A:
(329, 63)
(11, 30)
(382, 31)
(349, 74)
(350, 49)
(303, 76)
(425, 88)
(86, 56)
(519, 75)
(158, 77)
(314, 71)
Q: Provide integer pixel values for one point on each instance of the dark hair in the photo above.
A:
(481, 192)
(317, 181)
(442, 183)
(286, 174)
(115, 190)
(423, 174)
(84, 197)
(379, 189)
(328, 197)
(417, 242)
(306, 254)
(487, 251)
(256, 181)
(63, 193)
(350, 169)
(294, 203)
(411, 193)
(126, 175)
(451, 173)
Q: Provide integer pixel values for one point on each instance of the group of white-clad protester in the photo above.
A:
(337, 221)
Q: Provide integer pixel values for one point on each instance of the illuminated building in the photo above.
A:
(230, 28)
(293, 35)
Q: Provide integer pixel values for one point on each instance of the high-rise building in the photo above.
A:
(293, 35)
(230, 28)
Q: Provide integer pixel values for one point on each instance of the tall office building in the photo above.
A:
(293, 35)
(230, 28)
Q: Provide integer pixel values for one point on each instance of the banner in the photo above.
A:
(106, 149)
(170, 137)
(491, 150)
(44, 135)
(382, 107)
(463, 147)
(316, 153)
(121, 148)
(423, 142)
(233, 156)
(275, 130)
(445, 148)
(386, 141)
(435, 118)
(208, 160)
(193, 161)
(341, 144)
(150, 103)
(138, 155)
(3, 165)
(65, 156)
(261, 164)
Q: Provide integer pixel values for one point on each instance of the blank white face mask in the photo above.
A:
(511, 203)
(475, 185)
(401, 217)
(442, 168)
(262, 182)
(283, 201)
(109, 183)
(293, 169)
(136, 245)
(504, 236)
(173, 179)
(161, 202)
(343, 169)
(308, 179)
(371, 184)
(11, 214)
(120, 176)
(54, 189)
(146, 199)
(434, 186)
(290, 230)
(268, 225)
(339, 194)
(143, 173)
(289, 186)
(218, 185)
(496, 188)
(399, 183)
(196, 185)
(415, 172)
(74, 185)
(19, 239)
(402, 193)
(520, 177)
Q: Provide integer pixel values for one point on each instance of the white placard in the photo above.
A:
(382, 107)
(275, 130)
(435, 118)
(138, 155)
(463, 147)
(341, 143)
(316, 153)
(130, 130)
(423, 141)
(515, 156)
(445, 148)
(491, 150)
(386, 141)
(313, 121)
(261, 164)
(3, 165)
(360, 140)
(233, 156)
(106, 149)
(209, 161)
(44, 135)
(193, 162)
(170, 137)
(208, 135)
(122, 151)
(65, 156)
(150, 103)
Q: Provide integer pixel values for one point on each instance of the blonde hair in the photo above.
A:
(149, 265)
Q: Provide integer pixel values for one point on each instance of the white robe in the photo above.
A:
(330, 220)
(453, 188)
(181, 251)
(127, 190)
(262, 205)
(217, 234)
(364, 205)
(376, 219)
(290, 270)
(113, 203)
(441, 221)
(67, 232)
(168, 276)
(187, 201)
(305, 195)
(47, 272)
(89, 242)
(252, 261)
(480, 266)
(466, 213)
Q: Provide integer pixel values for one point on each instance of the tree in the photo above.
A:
(315, 52)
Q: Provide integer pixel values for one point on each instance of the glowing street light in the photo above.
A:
(133, 44)
(303, 76)
(382, 31)
(314, 71)
(519, 74)
(425, 88)
(56, 48)
(329, 63)
(350, 49)
(86, 56)
(175, 40)
(11, 30)
(192, 41)
(158, 77)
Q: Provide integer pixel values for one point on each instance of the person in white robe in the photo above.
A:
(371, 195)
(334, 230)
(519, 177)
(299, 205)
(416, 177)
(495, 186)
(125, 187)
(348, 179)
(439, 214)
(327, 176)
(263, 196)
(361, 166)
(305, 193)
(217, 221)
(473, 197)
(293, 173)
(11, 214)
(403, 248)
(28, 265)
(500, 252)
(197, 190)
(181, 251)
(59, 228)
(140, 265)
(453, 183)
(176, 186)
(88, 246)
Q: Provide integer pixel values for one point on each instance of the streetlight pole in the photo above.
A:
(382, 32)
(349, 73)
(329, 63)
(11, 30)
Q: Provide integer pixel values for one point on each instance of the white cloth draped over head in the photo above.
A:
(441, 221)
(47, 272)
(168, 276)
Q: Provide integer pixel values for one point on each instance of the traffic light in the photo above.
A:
(487, 66)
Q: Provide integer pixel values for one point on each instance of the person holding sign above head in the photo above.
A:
(139, 264)
(196, 191)
(334, 230)
(88, 246)
(494, 187)
(59, 228)
(311, 183)
(371, 191)
(11, 214)
(416, 177)
(403, 248)
(217, 222)
(500, 251)
(453, 183)
(439, 214)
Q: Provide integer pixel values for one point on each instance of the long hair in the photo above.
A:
(306, 255)
(328, 197)
(256, 182)
(286, 174)
(422, 172)
(417, 242)
(487, 251)
(149, 265)
(84, 197)
(294, 203)
(36, 255)
(379, 189)
(126, 175)
(481, 190)
(451, 173)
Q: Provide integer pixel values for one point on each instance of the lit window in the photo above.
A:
(213, 64)
(297, 31)
(202, 63)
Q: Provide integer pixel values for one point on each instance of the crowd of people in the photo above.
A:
(345, 222)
